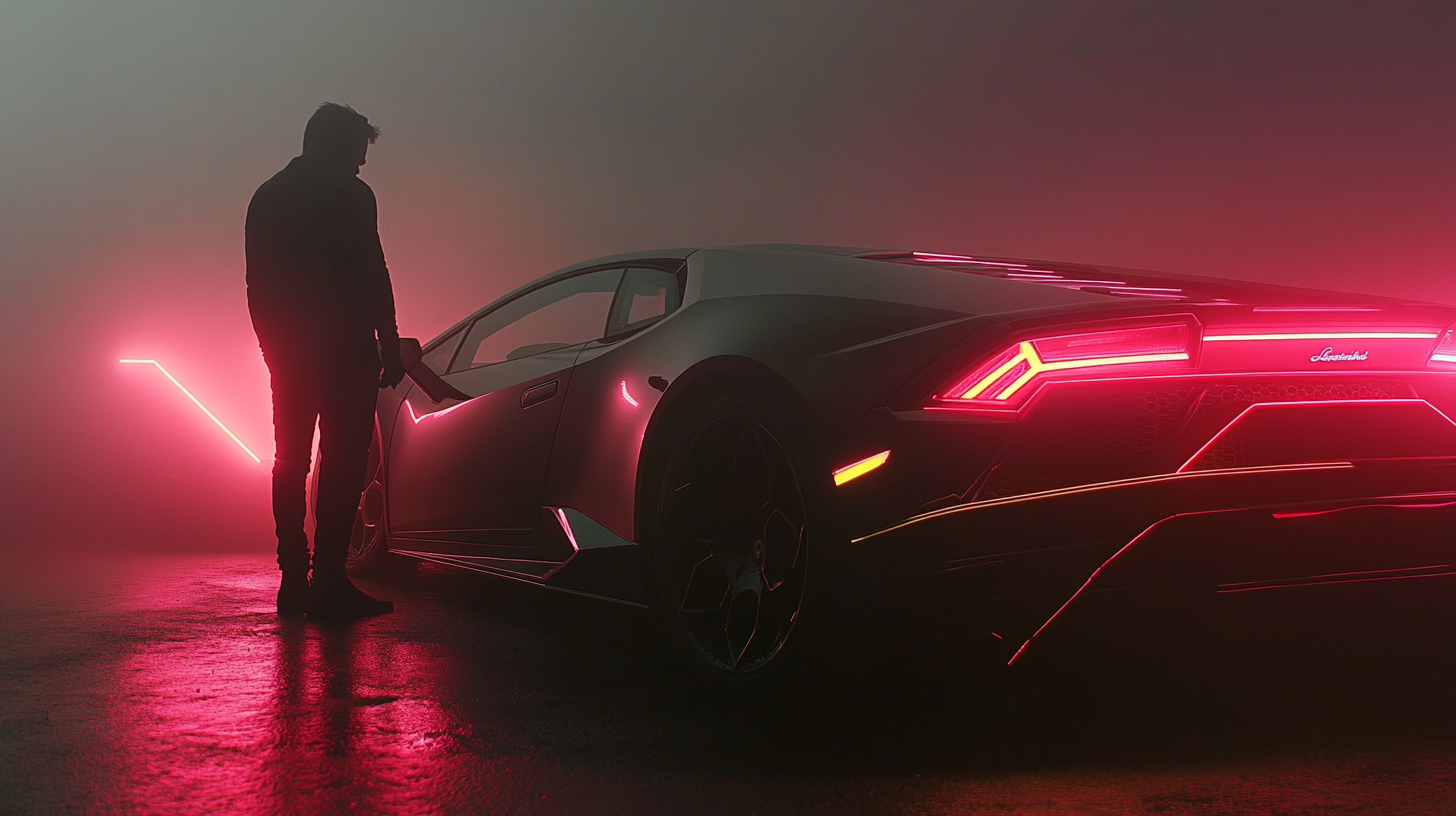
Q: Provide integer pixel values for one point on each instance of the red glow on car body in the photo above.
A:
(198, 403)
(418, 418)
(626, 396)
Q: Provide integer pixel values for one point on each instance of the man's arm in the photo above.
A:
(379, 292)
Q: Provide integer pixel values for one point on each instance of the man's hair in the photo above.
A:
(337, 130)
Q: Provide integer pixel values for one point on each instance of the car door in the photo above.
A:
(472, 471)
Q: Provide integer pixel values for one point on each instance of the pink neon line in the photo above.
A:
(1276, 405)
(1093, 577)
(1076, 281)
(626, 396)
(1311, 582)
(198, 403)
(566, 527)
(418, 418)
(1351, 574)
(1308, 513)
(1316, 309)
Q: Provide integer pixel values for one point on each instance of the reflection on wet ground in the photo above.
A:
(167, 684)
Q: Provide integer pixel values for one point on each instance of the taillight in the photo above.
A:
(1007, 379)
(1445, 354)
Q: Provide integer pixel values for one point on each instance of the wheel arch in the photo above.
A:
(691, 391)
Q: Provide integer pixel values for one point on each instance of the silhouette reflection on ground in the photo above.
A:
(159, 684)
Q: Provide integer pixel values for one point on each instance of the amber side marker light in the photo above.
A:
(198, 403)
(855, 470)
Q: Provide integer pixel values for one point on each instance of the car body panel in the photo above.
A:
(1017, 510)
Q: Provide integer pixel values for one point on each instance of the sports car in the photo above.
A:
(728, 434)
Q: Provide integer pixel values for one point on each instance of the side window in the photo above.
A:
(562, 314)
(438, 357)
(647, 295)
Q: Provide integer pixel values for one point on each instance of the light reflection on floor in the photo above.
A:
(167, 684)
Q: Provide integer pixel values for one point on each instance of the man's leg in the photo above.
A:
(295, 411)
(346, 426)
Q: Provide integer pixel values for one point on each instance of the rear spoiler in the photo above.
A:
(424, 377)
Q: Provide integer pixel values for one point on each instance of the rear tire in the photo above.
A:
(731, 540)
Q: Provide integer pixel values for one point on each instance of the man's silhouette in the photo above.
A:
(319, 295)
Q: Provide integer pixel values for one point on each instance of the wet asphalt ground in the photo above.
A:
(166, 684)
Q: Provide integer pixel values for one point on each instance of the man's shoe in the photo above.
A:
(337, 599)
(293, 594)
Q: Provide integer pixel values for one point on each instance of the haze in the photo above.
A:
(1310, 143)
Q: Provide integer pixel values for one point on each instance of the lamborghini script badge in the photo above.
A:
(1329, 356)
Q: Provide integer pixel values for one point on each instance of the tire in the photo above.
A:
(730, 547)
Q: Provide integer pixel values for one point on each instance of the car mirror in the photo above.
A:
(424, 377)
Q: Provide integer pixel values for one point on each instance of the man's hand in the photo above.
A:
(393, 370)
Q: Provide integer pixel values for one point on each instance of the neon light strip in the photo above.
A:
(1214, 338)
(1139, 537)
(1308, 513)
(1362, 577)
(1098, 486)
(626, 396)
(418, 418)
(198, 403)
(1316, 309)
(1035, 366)
(1276, 405)
(1444, 358)
(560, 515)
(857, 469)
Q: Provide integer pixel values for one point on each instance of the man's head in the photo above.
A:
(340, 132)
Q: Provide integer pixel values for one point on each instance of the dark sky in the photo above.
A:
(1302, 142)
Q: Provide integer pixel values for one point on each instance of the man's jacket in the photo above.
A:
(318, 287)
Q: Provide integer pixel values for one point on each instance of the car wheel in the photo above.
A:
(730, 552)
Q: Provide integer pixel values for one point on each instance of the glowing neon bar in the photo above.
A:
(855, 470)
(1446, 349)
(626, 396)
(418, 418)
(198, 403)
(1214, 338)
(1029, 358)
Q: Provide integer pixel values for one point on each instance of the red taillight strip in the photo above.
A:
(1030, 361)
(1446, 349)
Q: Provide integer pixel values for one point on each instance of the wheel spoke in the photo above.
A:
(704, 507)
(782, 542)
(733, 542)
(741, 624)
(707, 588)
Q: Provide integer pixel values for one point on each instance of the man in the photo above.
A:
(319, 295)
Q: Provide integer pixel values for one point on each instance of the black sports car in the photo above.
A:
(717, 431)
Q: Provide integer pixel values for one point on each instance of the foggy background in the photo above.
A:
(1309, 143)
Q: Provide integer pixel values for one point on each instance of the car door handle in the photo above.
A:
(540, 393)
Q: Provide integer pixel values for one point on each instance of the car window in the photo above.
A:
(564, 313)
(438, 357)
(647, 294)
